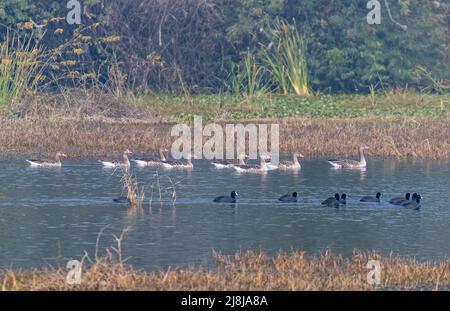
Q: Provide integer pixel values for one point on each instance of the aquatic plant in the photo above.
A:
(165, 185)
(135, 193)
(248, 78)
(286, 58)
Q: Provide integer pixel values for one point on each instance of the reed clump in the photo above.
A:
(247, 271)
(134, 192)
(20, 69)
(286, 59)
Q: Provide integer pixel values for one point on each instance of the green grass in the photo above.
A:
(19, 69)
(227, 107)
(286, 60)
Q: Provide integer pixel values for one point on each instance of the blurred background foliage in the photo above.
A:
(197, 46)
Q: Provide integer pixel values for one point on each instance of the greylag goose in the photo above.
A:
(351, 163)
(186, 164)
(271, 166)
(222, 164)
(332, 201)
(262, 167)
(41, 163)
(375, 199)
(289, 198)
(114, 164)
(225, 199)
(152, 161)
(400, 200)
(291, 165)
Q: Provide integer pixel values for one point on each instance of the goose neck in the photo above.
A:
(162, 156)
(362, 159)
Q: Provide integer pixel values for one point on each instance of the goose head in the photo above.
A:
(242, 156)
(378, 196)
(61, 155)
(336, 196)
(127, 152)
(363, 147)
(233, 194)
(265, 157)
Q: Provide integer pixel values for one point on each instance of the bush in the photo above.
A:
(193, 45)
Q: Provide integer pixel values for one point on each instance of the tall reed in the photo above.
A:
(19, 69)
(135, 194)
(248, 79)
(286, 59)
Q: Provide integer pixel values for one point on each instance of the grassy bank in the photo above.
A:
(227, 107)
(402, 125)
(248, 271)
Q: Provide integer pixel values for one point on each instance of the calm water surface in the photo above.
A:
(50, 215)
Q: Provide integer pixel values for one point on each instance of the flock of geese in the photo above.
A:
(336, 201)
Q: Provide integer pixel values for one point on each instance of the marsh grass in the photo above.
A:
(135, 192)
(398, 124)
(286, 59)
(394, 137)
(248, 78)
(20, 68)
(246, 270)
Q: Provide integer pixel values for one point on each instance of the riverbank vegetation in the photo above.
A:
(399, 125)
(246, 271)
(197, 46)
(317, 69)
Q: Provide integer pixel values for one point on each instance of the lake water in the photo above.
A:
(48, 216)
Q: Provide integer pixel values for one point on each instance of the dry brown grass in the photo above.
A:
(397, 137)
(405, 137)
(248, 271)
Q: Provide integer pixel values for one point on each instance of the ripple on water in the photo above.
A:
(48, 214)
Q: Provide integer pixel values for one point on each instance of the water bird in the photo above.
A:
(343, 199)
(222, 164)
(152, 161)
(181, 164)
(48, 163)
(291, 165)
(375, 199)
(413, 204)
(271, 166)
(332, 201)
(255, 168)
(122, 200)
(227, 199)
(289, 198)
(125, 162)
(400, 200)
(352, 163)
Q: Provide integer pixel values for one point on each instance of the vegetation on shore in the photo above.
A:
(268, 106)
(398, 125)
(246, 271)
(194, 45)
